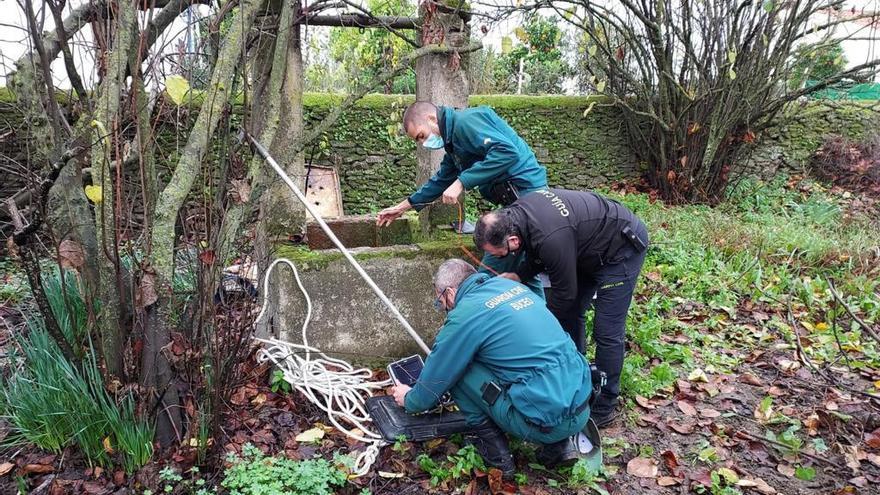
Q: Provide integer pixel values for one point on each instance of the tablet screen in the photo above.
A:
(406, 371)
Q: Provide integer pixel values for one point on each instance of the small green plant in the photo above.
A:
(278, 383)
(254, 473)
(613, 447)
(791, 443)
(723, 483)
(582, 475)
(456, 466)
(53, 404)
(173, 482)
(704, 452)
(805, 473)
(400, 445)
(521, 478)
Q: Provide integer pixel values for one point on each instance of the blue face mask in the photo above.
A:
(433, 142)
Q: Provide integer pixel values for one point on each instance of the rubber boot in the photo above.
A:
(562, 453)
(491, 443)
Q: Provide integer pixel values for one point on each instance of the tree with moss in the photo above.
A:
(148, 234)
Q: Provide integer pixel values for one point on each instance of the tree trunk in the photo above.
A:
(216, 98)
(156, 372)
(107, 119)
(441, 79)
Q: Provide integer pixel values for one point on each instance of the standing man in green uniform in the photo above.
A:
(509, 365)
(482, 151)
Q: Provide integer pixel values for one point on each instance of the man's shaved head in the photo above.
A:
(417, 113)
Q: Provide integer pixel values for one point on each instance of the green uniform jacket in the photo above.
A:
(502, 325)
(481, 150)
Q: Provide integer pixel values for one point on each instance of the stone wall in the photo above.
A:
(377, 166)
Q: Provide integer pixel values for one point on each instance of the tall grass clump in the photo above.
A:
(53, 403)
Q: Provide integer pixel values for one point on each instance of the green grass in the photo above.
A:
(769, 243)
(53, 404)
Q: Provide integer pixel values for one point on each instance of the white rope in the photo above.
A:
(339, 389)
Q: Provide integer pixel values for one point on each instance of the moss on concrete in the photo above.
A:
(445, 245)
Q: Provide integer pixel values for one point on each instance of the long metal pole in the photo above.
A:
(280, 171)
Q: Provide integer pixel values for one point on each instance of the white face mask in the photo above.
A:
(433, 142)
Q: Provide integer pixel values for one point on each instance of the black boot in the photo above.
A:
(561, 453)
(491, 443)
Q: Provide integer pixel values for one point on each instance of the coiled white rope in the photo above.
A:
(339, 389)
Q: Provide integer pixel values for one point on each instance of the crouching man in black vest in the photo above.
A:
(592, 248)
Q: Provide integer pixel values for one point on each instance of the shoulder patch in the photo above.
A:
(487, 140)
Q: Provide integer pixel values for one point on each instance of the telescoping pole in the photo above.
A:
(299, 195)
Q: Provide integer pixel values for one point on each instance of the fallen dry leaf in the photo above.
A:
(758, 484)
(641, 467)
(434, 443)
(70, 254)
(146, 294)
(642, 401)
(709, 413)
(853, 455)
(775, 391)
(682, 428)
(648, 419)
(812, 424)
(786, 469)
(687, 408)
(37, 469)
(497, 485)
(698, 375)
(788, 365)
(94, 488)
(668, 481)
(671, 463)
(873, 439)
(240, 190)
(310, 435)
(386, 474)
(6, 467)
(859, 481)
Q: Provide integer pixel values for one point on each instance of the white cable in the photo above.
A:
(334, 385)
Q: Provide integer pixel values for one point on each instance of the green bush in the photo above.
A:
(253, 473)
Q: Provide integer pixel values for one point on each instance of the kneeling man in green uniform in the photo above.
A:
(509, 367)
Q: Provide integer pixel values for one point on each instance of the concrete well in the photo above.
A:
(348, 319)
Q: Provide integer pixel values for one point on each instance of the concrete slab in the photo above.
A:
(348, 319)
(359, 230)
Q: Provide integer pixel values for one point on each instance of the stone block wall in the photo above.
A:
(377, 166)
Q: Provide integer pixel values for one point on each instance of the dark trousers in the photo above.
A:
(612, 285)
